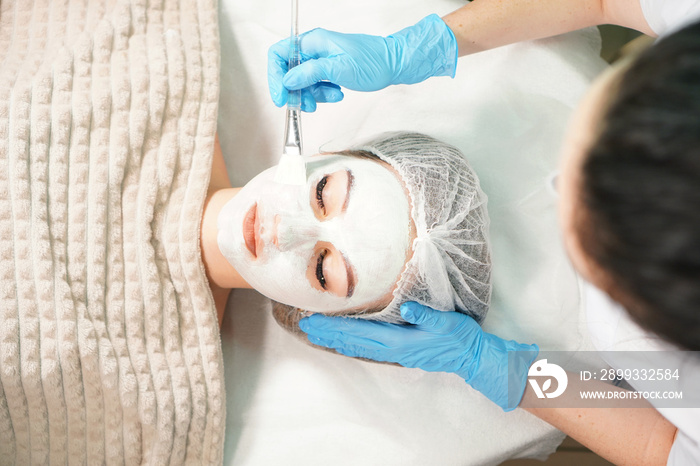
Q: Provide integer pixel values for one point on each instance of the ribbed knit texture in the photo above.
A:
(109, 343)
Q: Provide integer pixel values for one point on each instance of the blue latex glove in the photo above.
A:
(361, 62)
(437, 342)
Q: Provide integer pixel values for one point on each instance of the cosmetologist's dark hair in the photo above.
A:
(641, 190)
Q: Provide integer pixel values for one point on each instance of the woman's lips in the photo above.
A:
(249, 229)
(256, 230)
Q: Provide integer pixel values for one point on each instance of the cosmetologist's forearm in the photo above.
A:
(628, 432)
(486, 24)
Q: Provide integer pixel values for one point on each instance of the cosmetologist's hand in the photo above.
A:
(434, 341)
(361, 62)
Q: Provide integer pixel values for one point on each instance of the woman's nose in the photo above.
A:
(295, 231)
(269, 231)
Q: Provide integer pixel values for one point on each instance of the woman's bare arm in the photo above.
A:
(628, 432)
(486, 24)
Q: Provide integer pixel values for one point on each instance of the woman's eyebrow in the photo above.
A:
(350, 275)
(348, 267)
(347, 192)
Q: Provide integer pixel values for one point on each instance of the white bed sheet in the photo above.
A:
(506, 110)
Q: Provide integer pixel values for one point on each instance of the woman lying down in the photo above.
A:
(111, 350)
(400, 218)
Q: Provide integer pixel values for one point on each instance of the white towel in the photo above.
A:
(109, 344)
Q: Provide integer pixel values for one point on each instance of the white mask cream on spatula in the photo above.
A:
(290, 169)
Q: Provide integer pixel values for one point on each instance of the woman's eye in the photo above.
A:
(319, 193)
(319, 269)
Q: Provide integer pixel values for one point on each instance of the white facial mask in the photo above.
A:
(372, 234)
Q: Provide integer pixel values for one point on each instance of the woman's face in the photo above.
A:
(338, 243)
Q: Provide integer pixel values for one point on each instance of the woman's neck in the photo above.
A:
(219, 271)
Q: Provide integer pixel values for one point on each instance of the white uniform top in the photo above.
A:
(612, 328)
(666, 16)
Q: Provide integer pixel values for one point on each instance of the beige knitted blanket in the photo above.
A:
(109, 343)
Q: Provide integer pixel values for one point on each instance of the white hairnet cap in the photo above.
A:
(450, 269)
